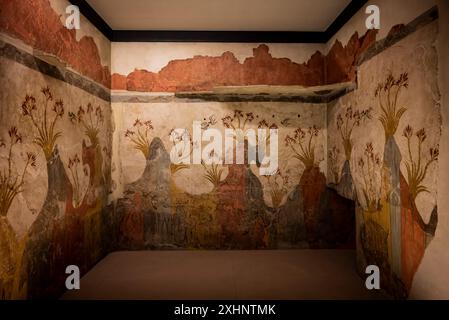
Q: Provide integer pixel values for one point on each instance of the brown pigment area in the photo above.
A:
(38, 25)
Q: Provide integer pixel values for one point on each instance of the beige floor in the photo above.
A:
(280, 274)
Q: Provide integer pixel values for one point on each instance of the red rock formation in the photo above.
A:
(118, 82)
(262, 68)
(313, 185)
(232, 206)
(396, 29)
(141, 80)
(342, 215)
(341, 61)
(38, 25)
(413, 236)
(132, 226)
(203, 72)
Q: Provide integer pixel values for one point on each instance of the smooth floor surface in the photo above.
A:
(184, 275)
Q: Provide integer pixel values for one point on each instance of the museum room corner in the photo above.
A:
(224, 150)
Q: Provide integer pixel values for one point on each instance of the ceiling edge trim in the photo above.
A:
(219, 36)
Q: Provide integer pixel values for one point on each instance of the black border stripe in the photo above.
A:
(379, 46)
(351, 9)
(219, 36)
(91, 15)
(15, 54)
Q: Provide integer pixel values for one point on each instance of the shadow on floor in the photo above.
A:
(227, 275)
